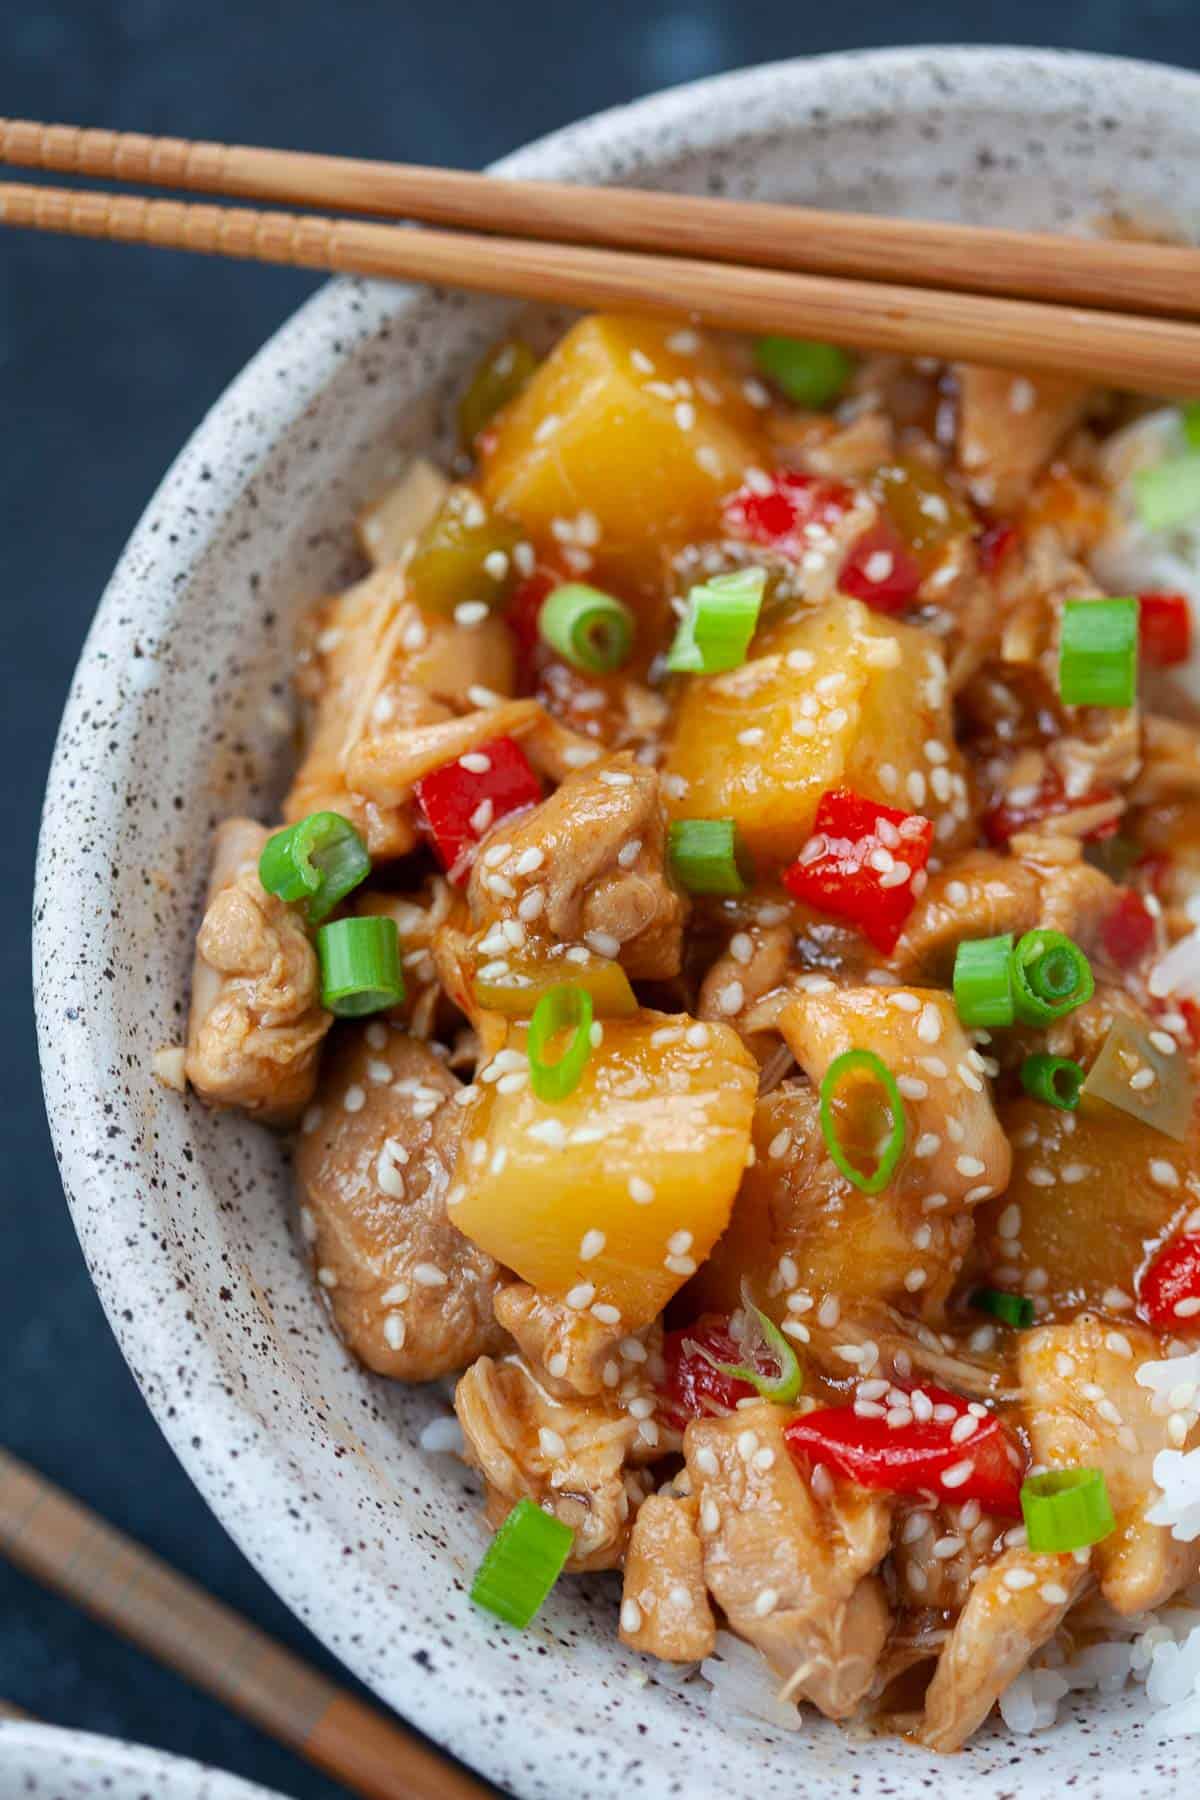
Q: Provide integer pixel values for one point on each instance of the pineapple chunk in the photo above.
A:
(638, 1167)
(834, 697)
(599, 432)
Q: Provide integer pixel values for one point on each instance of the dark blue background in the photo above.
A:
(108, 357)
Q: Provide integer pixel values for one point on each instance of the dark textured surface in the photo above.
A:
(107, 359)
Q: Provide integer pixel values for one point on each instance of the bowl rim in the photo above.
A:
(226, 440)
(56, 1752)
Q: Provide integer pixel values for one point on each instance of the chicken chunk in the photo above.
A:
(788, 1559)
(256, 1020)
(937, 1549)
(955, 1147)
(602, 843)
(979, 894)
(411, 1297)
(1015, 1609)
(570, 1456)
(801, 1232)
(757, 961)
(1084, 1408)
(665, 1610)
(1009, 426)
(569, 1348)
(380, 668)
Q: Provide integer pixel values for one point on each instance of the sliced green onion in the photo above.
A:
(322, 859)
(1168, 493)
(1011, 1309)
(591, 630)
(1098, 653)
(806, 373)
(983, 981)
(893, 1149)
(360, 966)
(715, 632)
(558, 1008)
(1050, 977)
(1190, 414)
(521, 1564)
(1066, 1509)
(780, 1389)
(1055, 1079)
(708, 856)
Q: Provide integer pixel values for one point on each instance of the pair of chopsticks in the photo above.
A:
(1113, 311)
(65, 1547)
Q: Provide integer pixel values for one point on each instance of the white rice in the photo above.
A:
(1177, 1473)
(742, 1683)
(442, 1437)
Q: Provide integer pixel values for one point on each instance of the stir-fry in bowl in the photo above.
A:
(726, 960)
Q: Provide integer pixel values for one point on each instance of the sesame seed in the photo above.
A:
(912, 1087)
(929, 1025)
(591, 1244)
(580, 1298)
(679, 1243)
(779, 1146)
(1163, 1173)
(1053, 1594)
(354, 1099)
(928, 1144)
(680, 1265)
(531, 905)
(327, 1278)
(550, 1443)
(610, 1374)
(607, 1314)
(1142, 1079)
(429, 1275)
(959, 1472)
(1187, 1309)
(904, 1001)
(969, 1165)
(556, 1365)
(706, 1461)
(731, 998)
(312, 1118)
(1016, 1579)
(710, 1513)
(394, 1331)
(766, 1600)
(948, 1546)
(603, 943)
(640, 1190)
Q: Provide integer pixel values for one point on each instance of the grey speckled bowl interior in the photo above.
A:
(40, 1762)
(178, 716)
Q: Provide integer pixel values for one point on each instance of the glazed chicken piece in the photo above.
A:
(936, 1550)
(571, 1351)
(379, 669)
(1084, 1408)
(256, 1020)
(788, 1558)
(411, 1297)
(754, 964)
(955, 1147)
(571, 1456)
(601, 839)
(1009, 426)
(978, 894)
(801, 1232)
(1015, 1609)
(665, 1610)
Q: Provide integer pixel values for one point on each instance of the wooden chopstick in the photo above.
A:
(9, 1711)
(1148, 278)
(1150, 354)
(67, 1548)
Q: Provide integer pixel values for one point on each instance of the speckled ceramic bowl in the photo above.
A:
(40, 1762)
(178, 716)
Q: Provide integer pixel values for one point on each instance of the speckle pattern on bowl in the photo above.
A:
(40, 1762)
(175, 719)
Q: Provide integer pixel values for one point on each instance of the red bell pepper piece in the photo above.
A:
(792, 514)
(1128, 931)
(690, 1387)
(880, 570)
(995, 544)
(1004, 820)
(864, 863)
(1164, 629)
(918, 1457)
(459, 805)
(1169, 1290)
